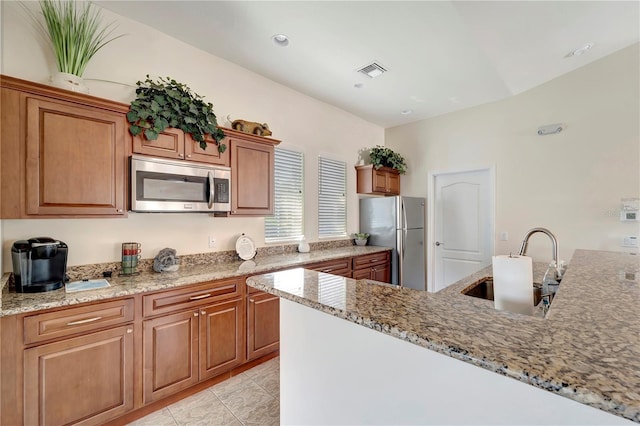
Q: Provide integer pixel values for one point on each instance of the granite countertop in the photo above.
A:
(12, 303)
(587, 348)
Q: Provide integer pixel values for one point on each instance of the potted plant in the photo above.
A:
(384, 157)
(167, 103)
(361, 238)
(76, 35)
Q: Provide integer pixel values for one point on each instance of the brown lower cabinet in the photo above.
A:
(184, 348)
(85, 380)
(375, 266)
(263, 324)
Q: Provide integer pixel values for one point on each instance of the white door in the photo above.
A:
(463, 225)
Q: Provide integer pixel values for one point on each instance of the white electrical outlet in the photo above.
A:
(212, 242)
(630, 241)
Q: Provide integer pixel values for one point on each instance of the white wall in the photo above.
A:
(301, 122)
(571, 182)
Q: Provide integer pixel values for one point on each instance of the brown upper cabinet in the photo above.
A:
(63, 153)
(174, 143)
(252, 168)
(382, 181)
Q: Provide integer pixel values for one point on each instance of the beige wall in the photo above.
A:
(301, 122)
(571, 182)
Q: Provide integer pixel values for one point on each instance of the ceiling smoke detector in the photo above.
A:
(372, 70)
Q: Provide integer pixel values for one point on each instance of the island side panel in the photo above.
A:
(334, 372)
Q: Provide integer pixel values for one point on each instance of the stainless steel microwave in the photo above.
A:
(159, 185)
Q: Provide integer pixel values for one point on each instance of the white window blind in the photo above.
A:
(286, 224)
(332, 200)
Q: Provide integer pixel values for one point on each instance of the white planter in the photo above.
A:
(69, 82)
(361, 242)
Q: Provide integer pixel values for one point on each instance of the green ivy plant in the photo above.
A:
(384, 157)
(167, 103)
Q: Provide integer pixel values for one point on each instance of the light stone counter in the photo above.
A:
(12, 303)
(587, 348)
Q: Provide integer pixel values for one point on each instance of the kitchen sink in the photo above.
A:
(483, 289)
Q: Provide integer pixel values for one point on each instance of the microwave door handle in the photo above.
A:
(212, 190)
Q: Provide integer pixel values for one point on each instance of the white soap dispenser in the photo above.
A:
(303, 247)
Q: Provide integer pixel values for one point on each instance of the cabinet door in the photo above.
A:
(393, 184)
(379, 181)
(252, 168)
(381, 273)
(170, 144)
(211, 155)
(170, 354)
(86, 379)
(263, 324)
(220, 338)
(75, 159)
(362, 274)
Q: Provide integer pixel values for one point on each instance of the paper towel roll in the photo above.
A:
(513, 283)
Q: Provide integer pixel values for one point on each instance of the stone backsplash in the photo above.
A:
(97, 269)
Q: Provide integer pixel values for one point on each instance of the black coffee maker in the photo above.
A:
(39, 264)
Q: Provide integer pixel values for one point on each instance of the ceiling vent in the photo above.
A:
(372, 70)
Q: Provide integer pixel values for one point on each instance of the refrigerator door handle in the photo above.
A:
(401, 248)
(404, 239)
(404, 216)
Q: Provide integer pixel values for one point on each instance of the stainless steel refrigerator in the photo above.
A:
(398, 222)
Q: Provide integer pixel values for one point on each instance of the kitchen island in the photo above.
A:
(373, 367)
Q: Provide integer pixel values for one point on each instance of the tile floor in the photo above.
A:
(251, 398)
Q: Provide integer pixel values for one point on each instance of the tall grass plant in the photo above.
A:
(75, 31)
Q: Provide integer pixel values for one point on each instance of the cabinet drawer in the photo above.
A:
(195, 295)
(370, 259)
(52, 325)
(336, 267)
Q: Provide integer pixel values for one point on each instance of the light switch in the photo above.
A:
(504, 236)
(630, 241)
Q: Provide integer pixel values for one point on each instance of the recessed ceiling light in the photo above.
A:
(406, 111)
(281, 40)
(579, 51)
(358, 85)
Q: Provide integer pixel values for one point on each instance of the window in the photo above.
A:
(286, 224)
(332, 200)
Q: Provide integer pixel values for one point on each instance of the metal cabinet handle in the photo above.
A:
(129, 330)
(372, 260)
(181, 155)
(189, 156)
(326, 271)
(195, 314)
(119, 210)
(202, 296)
(84, 321)
(438, 243)
(202, 312)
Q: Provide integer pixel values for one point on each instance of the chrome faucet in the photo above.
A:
(554, 248)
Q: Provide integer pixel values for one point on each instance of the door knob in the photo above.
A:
(438, 243)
